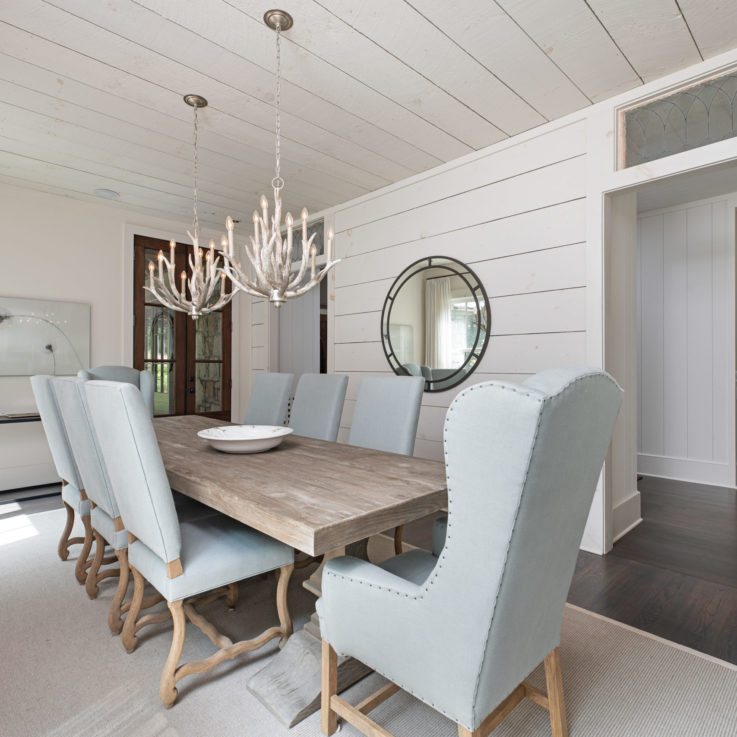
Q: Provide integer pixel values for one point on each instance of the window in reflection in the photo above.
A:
(434, 322)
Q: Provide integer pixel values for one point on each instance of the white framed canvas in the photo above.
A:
(43, 337)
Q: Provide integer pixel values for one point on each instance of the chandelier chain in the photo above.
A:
(278, 182)
(196, 226)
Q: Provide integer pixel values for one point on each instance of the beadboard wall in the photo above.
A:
(517, 217)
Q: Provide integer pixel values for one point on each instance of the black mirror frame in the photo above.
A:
(483, 309)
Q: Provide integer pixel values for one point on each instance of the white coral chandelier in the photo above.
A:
(206, 274)
(270, 253)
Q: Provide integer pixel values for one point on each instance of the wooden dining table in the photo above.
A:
(317, 496)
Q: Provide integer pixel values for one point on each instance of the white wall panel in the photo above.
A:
(534, 230)
(517, 217)
(504, 163)
(687, 343)
(531, 190)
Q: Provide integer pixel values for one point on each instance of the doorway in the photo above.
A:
(189, 359)
(623, 330)
(686, 327)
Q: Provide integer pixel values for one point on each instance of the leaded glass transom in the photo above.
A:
(687, 119)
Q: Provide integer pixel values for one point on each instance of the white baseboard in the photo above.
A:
(20, 477)
(682, 469)
(626, 515)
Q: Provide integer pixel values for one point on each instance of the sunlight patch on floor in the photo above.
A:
(9, 508)
(16, 528)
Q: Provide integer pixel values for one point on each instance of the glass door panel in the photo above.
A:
(189, 359)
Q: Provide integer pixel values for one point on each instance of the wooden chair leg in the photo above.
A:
(232, 598)
(282, 606)
(83, 561)
(167, 689)
(329, 719)
(64, 539)
(114, 619)
(556, 704)
(91, 583)
(129, 628)
(398, 532)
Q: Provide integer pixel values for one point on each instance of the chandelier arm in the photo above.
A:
(306, 246)
(246, 286)
(311, 283)
(167, 302)
(255, 263)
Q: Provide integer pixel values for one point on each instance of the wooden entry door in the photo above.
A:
(190, 359)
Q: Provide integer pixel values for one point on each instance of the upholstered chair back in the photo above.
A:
(131, 455)
(144, 380)
(269, 399)
(318, 405)
(55, 432)
(72, 403)
(386, 413)
(522, 464)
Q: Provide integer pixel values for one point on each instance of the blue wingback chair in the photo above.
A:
(180, 559)
(318, 405)
(72, 489)
(144, 380)
(269, 399)
(386, 416)
(461, 631)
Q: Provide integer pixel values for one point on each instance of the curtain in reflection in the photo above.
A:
(438, 323)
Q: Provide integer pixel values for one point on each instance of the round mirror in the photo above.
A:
(435, 322)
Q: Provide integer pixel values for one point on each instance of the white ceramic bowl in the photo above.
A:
(245, 438)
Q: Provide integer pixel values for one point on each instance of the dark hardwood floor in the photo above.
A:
(674, 575)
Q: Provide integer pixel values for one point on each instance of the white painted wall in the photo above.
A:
(299, 335)
(687, 342)
(516, 216)
(62, 248)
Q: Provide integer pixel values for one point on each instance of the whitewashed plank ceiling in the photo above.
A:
(374, 90)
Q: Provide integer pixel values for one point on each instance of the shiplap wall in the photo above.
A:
(686, 421)
(517, 217)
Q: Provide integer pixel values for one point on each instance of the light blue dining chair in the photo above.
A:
(461, 630)
(144, 380)
(318, 405)
(269, 399)
(179, 559)
(385, 418)
(72, 491)
(104, 516)
(107, 525)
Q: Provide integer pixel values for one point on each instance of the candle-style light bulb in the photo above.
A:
(305, 215)
(331, 235)
(184, 284)
(172, 247)
(161, 265)
(313, 257)
(255, 226)
(265, 210)
(151, 272)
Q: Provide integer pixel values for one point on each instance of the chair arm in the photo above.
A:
(357, 572)
(364, 609)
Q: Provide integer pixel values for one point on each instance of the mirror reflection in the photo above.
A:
(434, 322)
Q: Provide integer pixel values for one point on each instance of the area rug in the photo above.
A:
(62, 674)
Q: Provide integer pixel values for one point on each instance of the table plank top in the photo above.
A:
(311, 494)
